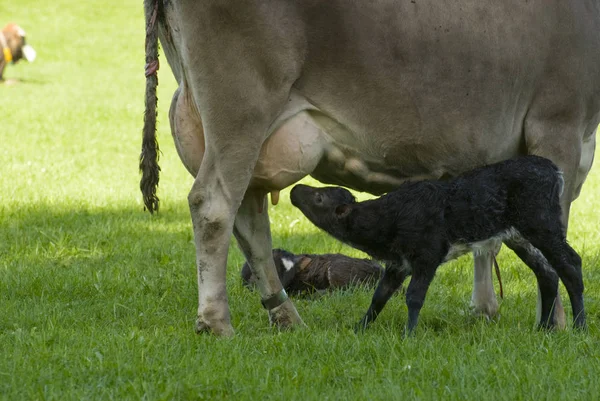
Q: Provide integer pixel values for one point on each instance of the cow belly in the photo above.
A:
(310, 143)
(306, 141)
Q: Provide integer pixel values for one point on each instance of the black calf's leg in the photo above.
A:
(546, 277)
(415, 294)
(393, 277)
(550, 240)
(568, 266)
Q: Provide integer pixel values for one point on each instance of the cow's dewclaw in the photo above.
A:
(221, 328)
(560, 317)
(488, 310)
(286, 317)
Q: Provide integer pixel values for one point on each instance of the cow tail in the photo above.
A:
(149, 157)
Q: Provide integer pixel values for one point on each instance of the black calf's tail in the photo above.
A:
(149, 157)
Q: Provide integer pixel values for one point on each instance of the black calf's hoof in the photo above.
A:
(580, 326)
(579, 322)
(408, 333)
(360, 327)
(547, 326)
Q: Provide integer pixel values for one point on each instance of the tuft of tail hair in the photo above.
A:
(149, 156)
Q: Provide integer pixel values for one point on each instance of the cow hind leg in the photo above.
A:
(239, 86)
(562, 143)
(483, 298)
(257, 250)
(188, 136)
(214, 200)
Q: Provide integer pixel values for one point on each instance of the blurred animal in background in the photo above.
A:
(14, 46)
(305, 273)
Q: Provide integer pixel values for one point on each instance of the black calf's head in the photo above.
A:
(324, 207)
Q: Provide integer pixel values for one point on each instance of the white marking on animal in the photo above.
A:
(481, 247)
(287, 264)
(29, 53)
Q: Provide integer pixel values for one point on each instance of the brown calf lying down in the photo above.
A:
(301, 273)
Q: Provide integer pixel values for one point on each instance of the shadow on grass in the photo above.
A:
(17, 81)
(122, 265)
(110, 265)
(59, 235)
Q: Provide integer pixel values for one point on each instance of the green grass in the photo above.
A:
(98, 298)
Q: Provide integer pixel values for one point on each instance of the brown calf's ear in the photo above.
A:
(304, 262)
(342, 211)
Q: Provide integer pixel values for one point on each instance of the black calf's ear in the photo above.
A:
(342, 211)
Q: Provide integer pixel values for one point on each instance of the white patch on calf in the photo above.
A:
(481, 247)
(287, 264)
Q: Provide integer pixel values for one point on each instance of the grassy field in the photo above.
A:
(98, 298)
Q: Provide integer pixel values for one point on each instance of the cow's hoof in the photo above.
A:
(285, 316)
(560, 318)
(221, 329)
(487, 310)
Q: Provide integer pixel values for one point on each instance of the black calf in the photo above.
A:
(423, 224)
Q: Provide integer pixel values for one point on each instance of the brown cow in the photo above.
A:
(365, 95)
